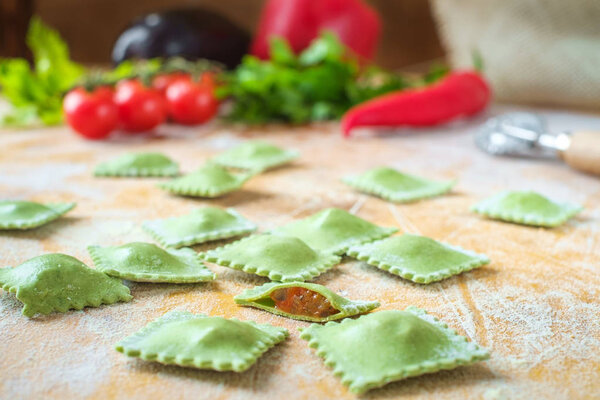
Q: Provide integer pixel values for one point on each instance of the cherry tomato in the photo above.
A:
(105, 92)
(93, 115)
(297, 300)
(208, 79)
(162, 81)
(191, 103)
(140, 108)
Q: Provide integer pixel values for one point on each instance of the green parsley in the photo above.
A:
(321, 83)
(36, 94)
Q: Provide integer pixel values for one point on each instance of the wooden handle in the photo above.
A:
(584, 152)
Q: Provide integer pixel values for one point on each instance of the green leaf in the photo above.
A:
(322, 83)
(134, 68)
(21, 116)
(281, 52)
(17, 82)
(51, 57)
(436, 72)
(325, 47)
(36, 94)
(323, 111)
(51, 115)
(478, 64)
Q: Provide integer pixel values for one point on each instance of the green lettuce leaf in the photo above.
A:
(36, 94)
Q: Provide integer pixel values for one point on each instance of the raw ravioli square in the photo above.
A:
(199, 341)
(58, 282)
(334, 230)
(211, 180)
(255, 155)
(393, 185)
(387, 346)
(201, 225)
(280, 258)
(18, 214)
(138, 165)
(418, 258)
(146, 262)
(527, 208)
(319, 303)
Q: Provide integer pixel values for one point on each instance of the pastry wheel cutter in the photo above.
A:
(526, 135)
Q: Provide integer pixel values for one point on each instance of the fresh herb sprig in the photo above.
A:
(149, 68)
(320, 83)
(36, 93)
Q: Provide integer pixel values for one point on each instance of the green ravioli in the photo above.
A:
(418, 258)
(280, 258)
(334, 230)
(387, 346)
(58, 282)
(211, 180)
(396, 186)
(255, 155)
(527, 208)
(17, 214)
(198, 341)
(139, 165)
(146, 262)
(201, 225)
(259, 297)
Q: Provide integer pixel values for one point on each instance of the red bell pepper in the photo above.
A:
(458, 94)
(301, 21)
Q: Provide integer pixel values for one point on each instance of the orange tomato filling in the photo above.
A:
(300, 301)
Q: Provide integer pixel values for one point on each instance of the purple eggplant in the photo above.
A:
(189, 33)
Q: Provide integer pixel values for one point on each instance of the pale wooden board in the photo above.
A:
(535, 307)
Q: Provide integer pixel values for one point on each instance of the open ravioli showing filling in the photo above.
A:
(303, 301)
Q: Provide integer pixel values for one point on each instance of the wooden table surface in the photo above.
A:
(536, 306)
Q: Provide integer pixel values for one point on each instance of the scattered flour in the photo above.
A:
(536, 307)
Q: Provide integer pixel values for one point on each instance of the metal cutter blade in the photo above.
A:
(520, 134)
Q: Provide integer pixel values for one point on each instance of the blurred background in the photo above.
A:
(90, 27)
(542, 52)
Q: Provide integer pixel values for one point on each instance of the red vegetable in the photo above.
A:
(162, 81)
(93, 115)
(190, 102)
(300, 21)
(300, 301)
(458, 94)
(140, 108)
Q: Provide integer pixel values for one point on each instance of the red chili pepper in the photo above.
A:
(458, 94)
(300, 21)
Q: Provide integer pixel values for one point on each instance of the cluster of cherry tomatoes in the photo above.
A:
(134, 107)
